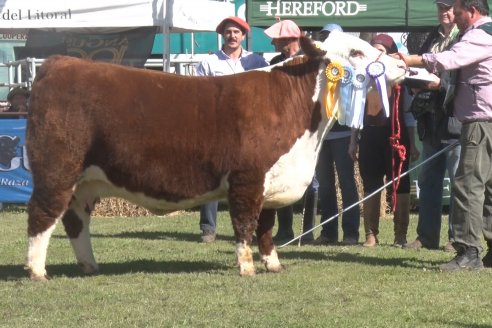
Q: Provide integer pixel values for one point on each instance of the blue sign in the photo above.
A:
(15, 176)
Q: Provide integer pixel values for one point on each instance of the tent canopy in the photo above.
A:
(352, 15)
(178, 15)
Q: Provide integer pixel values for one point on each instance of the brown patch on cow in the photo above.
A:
(170, 137)
(356, 53)
(72, 223)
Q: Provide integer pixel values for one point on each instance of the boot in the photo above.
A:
(467, 258)
(310, 204)
(285, 220)
(371, 220)
(401, 218)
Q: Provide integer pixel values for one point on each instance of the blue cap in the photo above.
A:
(331, 28)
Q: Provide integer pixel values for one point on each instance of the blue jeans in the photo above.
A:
(430, 182)
(208, 216)
(334, 154)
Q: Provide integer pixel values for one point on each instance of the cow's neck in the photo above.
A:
(287, 180)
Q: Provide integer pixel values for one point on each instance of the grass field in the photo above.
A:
(154, 273)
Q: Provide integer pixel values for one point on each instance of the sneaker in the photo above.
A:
(415, 245)
(323, 240)
(208, 236)
(468, 258)
(449, 248)
(399, 244)
(487, 259)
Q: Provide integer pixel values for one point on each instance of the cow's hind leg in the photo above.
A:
(43, 214)
(76, 221)
(266, 247)
(245, 201)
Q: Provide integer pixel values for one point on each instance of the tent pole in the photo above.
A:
(166, 39)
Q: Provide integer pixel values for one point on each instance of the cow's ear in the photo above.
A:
(310, 49)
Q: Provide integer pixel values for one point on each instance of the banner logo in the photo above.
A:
(312, 8)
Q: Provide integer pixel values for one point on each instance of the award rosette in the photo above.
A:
(334, 73)
(345, 113)
(359, 83)
(376, 70)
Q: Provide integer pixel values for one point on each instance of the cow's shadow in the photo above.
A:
(153, 235)
(16, 272)
(410, 262)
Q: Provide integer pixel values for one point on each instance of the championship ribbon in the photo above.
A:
(334, 73)
(359, 82)
(345, 113)
(376, 70)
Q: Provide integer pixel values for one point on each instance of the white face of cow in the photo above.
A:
(342, 46)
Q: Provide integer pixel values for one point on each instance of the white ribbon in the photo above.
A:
(358, 105)
(345, 113)
(376, 71)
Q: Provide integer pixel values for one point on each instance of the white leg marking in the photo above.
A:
(245, 259)
(81, 245)
(272, 264)
(36, 253)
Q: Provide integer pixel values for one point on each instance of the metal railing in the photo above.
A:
(23, 72)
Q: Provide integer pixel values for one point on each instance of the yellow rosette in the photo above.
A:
(334, 73)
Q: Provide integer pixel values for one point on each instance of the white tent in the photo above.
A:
(109, 15)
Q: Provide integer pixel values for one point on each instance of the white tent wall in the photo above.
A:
(180, 15)
(111, 15)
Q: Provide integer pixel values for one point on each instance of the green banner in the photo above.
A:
(352, 15)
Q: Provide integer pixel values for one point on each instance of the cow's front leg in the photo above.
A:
(245, 201)
(266, 247)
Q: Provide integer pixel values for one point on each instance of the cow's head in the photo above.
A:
(343, 46)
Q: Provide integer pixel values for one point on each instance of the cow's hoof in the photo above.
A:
(42, 278)
(274, 268)
(37, 276)
(89, 269)
(247, 270)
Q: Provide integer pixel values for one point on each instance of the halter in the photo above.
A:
(397, 148)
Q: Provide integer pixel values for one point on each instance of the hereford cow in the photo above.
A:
(169, 142)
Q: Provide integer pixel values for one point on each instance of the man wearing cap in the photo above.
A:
(230, 59)
(285, 36)
(435, 135)
(472, 193)
(17, 98)
(334, 158)
(327, 29)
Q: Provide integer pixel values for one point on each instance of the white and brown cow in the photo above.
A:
(170, 142)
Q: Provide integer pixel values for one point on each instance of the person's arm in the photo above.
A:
(354, 144)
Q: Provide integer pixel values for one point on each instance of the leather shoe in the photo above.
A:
(449, 248)
(415, 245)
(323, 240)
(208, 236)
(468, 258)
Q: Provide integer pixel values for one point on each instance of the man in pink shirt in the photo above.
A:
(472, 188)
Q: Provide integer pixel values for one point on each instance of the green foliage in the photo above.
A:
(155, 273)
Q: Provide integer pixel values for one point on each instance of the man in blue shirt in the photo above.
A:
(230, 59)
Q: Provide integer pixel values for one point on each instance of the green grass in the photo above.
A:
(154, 273)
